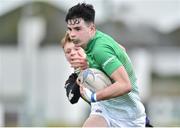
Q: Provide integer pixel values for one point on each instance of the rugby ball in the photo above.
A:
(93, 79)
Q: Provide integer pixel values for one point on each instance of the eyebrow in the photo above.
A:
(70, 28)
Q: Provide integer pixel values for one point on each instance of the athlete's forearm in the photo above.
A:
(114, 90)
(120, 87)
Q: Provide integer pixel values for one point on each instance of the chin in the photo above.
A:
(77, 45)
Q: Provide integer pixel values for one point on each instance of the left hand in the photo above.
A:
(72, 89)
(89, 95)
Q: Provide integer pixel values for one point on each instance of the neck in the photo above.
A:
(91, 38)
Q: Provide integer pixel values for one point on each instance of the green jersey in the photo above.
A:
(105, 54)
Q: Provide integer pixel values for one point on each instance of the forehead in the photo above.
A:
(69, 45)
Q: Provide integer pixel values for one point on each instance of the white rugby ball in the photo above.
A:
(93, 79)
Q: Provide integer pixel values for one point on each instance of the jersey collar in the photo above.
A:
(92, 42)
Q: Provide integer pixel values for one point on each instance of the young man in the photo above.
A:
(119, 104)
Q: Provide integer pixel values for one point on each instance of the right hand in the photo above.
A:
(79, 61)
(87, 94)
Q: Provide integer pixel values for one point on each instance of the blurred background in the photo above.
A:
(33, 68)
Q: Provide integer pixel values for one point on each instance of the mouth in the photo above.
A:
(76, 41)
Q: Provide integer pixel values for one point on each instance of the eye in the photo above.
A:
(77, 28)
(77, 48)
(68, 51)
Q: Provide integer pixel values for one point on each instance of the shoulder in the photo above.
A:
(100, 36)
(102, 40)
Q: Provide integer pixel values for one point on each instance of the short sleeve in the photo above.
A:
(107, 59)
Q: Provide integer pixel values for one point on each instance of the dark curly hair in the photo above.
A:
(81, 10)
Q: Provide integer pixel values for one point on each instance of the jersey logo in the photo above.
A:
(109, 60)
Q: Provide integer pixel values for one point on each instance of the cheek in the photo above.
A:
(67, 57)
(83, 33)
(86, 38)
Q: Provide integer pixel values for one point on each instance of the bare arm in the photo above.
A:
(121, 86)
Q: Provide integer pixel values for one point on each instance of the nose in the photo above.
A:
(72, 34)
(72, 53)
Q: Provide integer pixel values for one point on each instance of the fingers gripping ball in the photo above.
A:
(93, 79)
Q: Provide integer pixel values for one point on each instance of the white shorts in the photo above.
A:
(97, 109)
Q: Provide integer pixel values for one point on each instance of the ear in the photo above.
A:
(92, 28)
